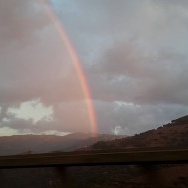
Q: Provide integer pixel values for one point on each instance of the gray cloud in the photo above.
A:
(180, 3)
(133, 52)
(135, 118)
(72, 116)
(127, 75)
(18, 124)
(20, 20)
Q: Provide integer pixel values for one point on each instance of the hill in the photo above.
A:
(171, 135)
(11, 145)
(174, 134)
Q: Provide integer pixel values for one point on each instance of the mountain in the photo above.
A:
(25, 144)
(171, 135)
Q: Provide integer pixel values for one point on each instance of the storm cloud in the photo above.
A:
(133, 53)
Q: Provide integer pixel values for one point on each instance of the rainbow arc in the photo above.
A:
(77, 64)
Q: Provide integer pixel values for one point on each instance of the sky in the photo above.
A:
(133, 54)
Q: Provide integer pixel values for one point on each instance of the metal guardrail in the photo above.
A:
(145, 158)
(89, 158)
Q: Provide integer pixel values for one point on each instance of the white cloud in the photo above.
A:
(32, 110)
(7, 131)
(6, 120)
(54, 132)
(122, 104)
(119, 130)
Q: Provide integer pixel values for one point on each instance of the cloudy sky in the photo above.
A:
(133, 53)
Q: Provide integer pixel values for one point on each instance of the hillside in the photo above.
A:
(171, 135)
(10, 145)
(174, 134)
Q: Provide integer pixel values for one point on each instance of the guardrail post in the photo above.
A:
(1, 178)
(63, 176)
(153, 176)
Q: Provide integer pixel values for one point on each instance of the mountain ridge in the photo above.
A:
(18, 144)
(173, 134)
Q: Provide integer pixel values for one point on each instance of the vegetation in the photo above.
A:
(174, 134)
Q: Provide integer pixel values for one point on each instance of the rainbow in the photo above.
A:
(76, 62)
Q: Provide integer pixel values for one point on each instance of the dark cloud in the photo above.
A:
(33, 69)
(134, 55)
(180, 3)
(134, 118)
(126, 75)
(20, 20)
(17, 124)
